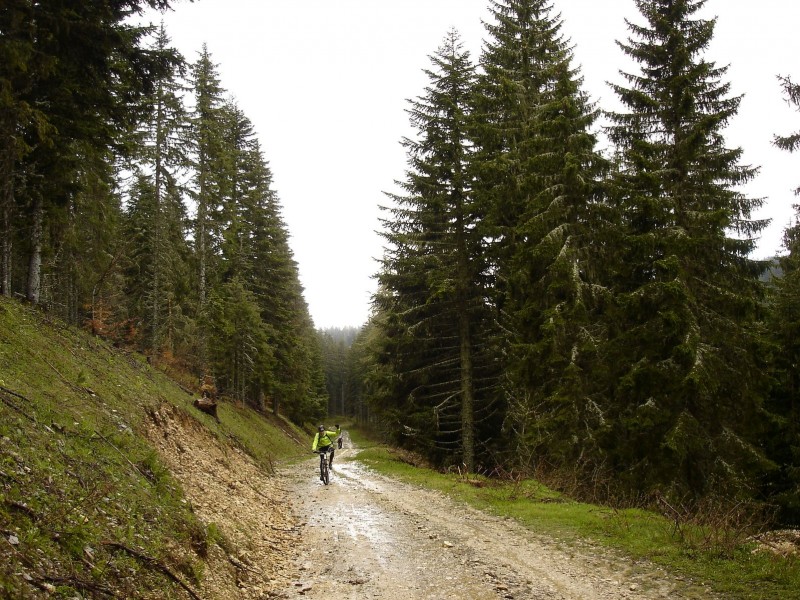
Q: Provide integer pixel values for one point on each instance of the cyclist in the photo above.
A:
(323, 443)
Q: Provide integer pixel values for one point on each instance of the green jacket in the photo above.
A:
(323, 439)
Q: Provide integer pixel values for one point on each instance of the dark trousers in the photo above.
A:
(327, 449)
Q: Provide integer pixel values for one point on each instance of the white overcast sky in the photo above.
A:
(325, 84)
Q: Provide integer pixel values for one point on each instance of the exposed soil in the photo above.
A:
(248, 506)
(368, 536)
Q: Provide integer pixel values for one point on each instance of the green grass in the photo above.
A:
(268, 439)
(84, 500)
(713, 559)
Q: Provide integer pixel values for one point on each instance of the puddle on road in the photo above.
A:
(373, 549)
(362, 523)
(368, 523)
(354, 474)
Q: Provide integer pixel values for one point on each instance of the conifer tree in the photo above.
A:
(208, 163)
(686, 388)
(162, 158)
(71, 74)
(433, 273)
(239, 350)
(82, 266)
(170, 249)
(784, 326)
(334, 356)
(783, 443)
(243, 164)
(791, 142)
(16, 63)
(232, 166)
(253, 251)
(273, 271)
(362, 369)
(537, 177)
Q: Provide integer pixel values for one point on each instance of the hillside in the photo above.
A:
(113, 485)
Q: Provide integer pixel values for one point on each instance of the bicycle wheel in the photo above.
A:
(323, 469)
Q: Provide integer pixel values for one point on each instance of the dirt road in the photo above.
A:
(367, 536)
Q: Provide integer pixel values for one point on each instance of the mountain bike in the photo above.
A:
(324, 467)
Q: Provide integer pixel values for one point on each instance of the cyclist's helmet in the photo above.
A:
(321, 428)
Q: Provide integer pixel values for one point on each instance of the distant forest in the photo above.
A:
(593, 318)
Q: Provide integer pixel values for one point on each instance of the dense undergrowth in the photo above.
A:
(706, 548)
(86, 507)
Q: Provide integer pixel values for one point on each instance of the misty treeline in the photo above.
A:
(136, 201)
(591, 315)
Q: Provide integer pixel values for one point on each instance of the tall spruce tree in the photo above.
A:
(157, 263)
(296, 386)
(433, 272)
(241, 362)
(255, 268)
(538, 177)
(242, 164)
(208, 162)
(162, 159)
(784, 326)
(790, 142)
(687, 388)
(17, 64)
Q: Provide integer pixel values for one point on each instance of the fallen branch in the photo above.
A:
(75, 582)
(38, 580)
(7, 476)
(21, 508)
(121, 453)
(66, 381)
(13, 393)
(240, 565)
(154, 563)
(14, 406)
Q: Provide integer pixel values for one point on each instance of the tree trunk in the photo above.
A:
(201, 231)
(465, 351)
(35, 263)
(6, 208)
(467, 394)
(157, 210)
(6, 204)
(207, 406)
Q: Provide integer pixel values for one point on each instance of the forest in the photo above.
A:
(594, 318)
